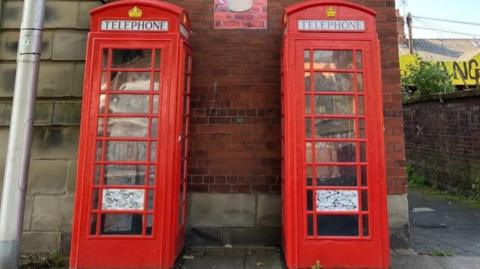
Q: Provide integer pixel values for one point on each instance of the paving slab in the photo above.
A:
(213, 262)
(415, 262)
(459, 262)
(273, 261)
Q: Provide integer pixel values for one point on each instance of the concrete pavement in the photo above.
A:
(271, 258)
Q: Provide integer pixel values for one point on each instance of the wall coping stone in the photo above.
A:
(443, 97)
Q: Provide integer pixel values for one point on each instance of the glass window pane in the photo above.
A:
(104, 78)
(363, 152)
(334, 105)
(100, 127)
(95, 199)
(308, 152)
(130, 81)
(153, 151)
(336, 176)
(131, 58)
(155, 104)
(124, 174)
(101, 103)
(149, 230)
(150, 200)
(365, 225)
(359, 59)
(335, 152)
(333, 82)
(307, 82)
(158, 58)
(334, 128)
(127, 127)
(361, 128)
(306, 59)
(309, 176)
(105, 58)
(128, 103)
(126, 151)
(333, 59)
(93, 224)
(337, 225)
(309, 200)
(364, 175)
(121, 224)
(97, 174)
(361, 106)
(156, 82)
(360, 82)
(364, 201)
(308, 109)
(308, 128)
(151, 176)
(154, 128)
(99, 150)
(310, 225)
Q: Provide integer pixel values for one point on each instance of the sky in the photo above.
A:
(457, 10)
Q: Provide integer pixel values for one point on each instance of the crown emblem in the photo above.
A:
(135, 13)
(331, 12)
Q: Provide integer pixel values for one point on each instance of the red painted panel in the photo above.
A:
(136, 90)
(334, 180)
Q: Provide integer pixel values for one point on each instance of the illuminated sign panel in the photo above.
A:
(127, 25)
(331, 25)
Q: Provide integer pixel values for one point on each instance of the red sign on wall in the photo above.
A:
(240, 14)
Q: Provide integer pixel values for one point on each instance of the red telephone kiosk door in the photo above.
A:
(334, 186)
(130, 200)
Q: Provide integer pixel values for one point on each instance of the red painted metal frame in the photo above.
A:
(302, 250)
(160, 247)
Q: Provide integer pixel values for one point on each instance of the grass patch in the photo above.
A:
(437, 252)
(418, 181)
(52, 260)
(317, 265)
(415, 178)
(447, 196)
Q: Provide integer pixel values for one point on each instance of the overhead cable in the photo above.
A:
(445, 31)
(445, 20)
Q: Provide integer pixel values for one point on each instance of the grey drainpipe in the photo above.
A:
(20, 137)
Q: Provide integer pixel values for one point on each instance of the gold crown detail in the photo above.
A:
(331, 12)
(135, 12)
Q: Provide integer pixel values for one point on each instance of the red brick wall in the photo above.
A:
(236, 102)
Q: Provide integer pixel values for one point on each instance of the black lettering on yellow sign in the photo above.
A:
(463, 70)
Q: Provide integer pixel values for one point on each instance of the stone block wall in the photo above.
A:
(443, 140)
(51, 181)
(235, 131)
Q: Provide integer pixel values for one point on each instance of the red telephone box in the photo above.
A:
(334, 182)
(130, 202)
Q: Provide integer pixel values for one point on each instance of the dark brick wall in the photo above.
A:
(443, 140)
(236, 101)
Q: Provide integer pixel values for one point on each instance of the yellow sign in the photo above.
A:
(135, 13)
(331, 12)
(460, 72)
